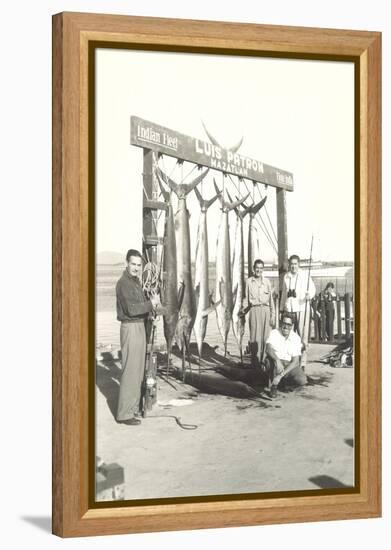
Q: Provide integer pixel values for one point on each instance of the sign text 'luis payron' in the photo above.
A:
(152, 136)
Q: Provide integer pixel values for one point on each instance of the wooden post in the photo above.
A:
(276, 298)
(150, 237)
(347, 315)
(310, 319)
(352, 323)
(332, 335)
(149, 215)
(282, 236)
(323, 318)
(316, 318)
(339, 322)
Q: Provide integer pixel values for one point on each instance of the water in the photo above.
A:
(107, 326)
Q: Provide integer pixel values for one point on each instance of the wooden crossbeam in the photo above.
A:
(160, 139)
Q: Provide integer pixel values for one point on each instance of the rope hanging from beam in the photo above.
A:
(267, 212)
(274, 245)
(264, 228)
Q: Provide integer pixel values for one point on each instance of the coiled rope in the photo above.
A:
(151, 279)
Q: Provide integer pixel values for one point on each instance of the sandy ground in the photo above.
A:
(300, 440)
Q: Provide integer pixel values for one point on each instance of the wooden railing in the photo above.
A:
(331, 321)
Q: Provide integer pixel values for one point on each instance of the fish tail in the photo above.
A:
(190, 186)
(211, 201)
(168, 181)
(211, 138)
(257, 207)
(166, 194)
(218, 191)
(199, 196)
(231, 205)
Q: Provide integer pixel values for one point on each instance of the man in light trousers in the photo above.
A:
(260, 304)
(297, 292)
(132, 312)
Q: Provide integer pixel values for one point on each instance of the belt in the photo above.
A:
(259, 305)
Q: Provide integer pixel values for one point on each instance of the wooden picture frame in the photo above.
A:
(73, 35)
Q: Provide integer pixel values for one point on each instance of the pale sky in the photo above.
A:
(296, 115)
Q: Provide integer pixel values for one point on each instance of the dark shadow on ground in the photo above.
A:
(321, 380)
(209, 355)
(42, 522)
(326, 482)
(227, 376)
(349, 442)
(311, 397)
(258, 403)
(108, 375)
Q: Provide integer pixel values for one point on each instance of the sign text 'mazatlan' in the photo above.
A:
(169, 142)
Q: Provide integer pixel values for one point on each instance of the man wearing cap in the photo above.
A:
(297, 291)
(132, 312)
(283, 350)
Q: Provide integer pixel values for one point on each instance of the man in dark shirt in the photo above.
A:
(132, 311)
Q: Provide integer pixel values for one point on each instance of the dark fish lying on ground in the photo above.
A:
(213, 382)
(251, 376)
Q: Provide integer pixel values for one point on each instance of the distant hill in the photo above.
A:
(109, 258)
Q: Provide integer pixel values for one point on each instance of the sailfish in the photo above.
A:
(188, 309)
(252, 244)
(223, 294)
(201, 279)
(238, 279)
(171, 296)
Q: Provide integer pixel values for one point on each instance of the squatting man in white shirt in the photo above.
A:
(283, 351)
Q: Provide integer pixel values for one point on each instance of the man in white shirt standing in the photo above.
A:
(283, 350)
(298, 289)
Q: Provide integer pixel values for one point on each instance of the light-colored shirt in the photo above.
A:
(284, 348)
(299, 283)
(259, 292)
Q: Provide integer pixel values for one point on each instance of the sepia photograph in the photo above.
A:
(224, 275)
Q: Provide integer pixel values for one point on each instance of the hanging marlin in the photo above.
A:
(188, 309)
(223, 294)
(252, 245)
(214, 141)
(201, 280)
(238, 279)
(170, 295)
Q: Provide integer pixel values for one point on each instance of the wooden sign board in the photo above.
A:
(152, 136)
